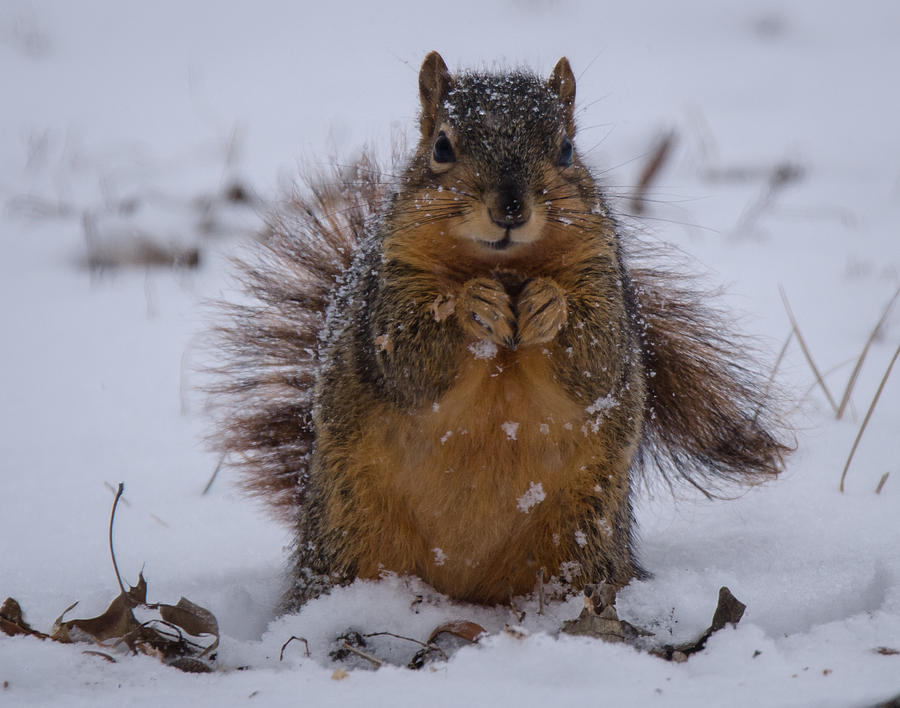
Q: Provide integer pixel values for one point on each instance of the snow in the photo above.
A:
(483, 349)
(511, 428)
(162, 106)
(534, 495)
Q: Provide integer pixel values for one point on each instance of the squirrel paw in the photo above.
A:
(542, 311)
(485, 312)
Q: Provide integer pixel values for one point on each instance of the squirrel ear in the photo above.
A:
(434, 85)
(562, 83)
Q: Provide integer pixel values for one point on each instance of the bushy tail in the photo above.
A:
(711, 415)
(263, 390)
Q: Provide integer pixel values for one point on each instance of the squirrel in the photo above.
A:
(461, 372)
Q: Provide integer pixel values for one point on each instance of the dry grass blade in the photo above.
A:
(292, 639)
(806, 352)
(112, 518)
(365, 655)
(774, 372)
(862, 356)
(884, 478)
(654, 164)
(865, 422)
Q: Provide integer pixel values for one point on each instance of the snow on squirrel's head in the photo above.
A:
(501, 143)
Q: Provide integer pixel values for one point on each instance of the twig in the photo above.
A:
(112, 518)
(517, 613)
(424, 645)
(112, 489)
(101, 654)
(284, 646)
(364, 655)
(654, 164)
(859, 362)
(214, 475)
(774, 372)
(881, 482)
(865, 422)
(806, 352)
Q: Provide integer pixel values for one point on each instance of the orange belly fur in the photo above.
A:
(450, 493)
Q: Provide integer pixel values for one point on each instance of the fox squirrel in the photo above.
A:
(457, 374)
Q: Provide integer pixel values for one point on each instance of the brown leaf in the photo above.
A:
(729, 610)
(464, 629)
(192, 618)
(115, 622)
(598, 618)
(12, 621)
(190, 665)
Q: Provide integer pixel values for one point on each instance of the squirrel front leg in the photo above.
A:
(484, 311)
(416, 347)
(542, 312)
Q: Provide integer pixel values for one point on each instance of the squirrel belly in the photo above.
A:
(462, 374)
(503, 476)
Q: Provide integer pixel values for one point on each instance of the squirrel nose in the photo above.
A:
(508, 209)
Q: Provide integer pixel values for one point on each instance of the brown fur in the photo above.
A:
(469, 401)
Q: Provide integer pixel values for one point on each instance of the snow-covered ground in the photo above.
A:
(124, 116)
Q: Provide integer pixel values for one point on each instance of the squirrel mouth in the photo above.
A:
(500, 245)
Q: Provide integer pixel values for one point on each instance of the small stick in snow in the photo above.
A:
(881, 482)
(112, 553)
(806, 352)
(859, 362)
(359, 652)
(865, 422)
(294, 637)
(775, 369)
(215, 474)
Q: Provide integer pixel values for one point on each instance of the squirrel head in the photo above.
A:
(495, 158)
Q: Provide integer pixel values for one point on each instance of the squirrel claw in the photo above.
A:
(485, 312)
(542, 311)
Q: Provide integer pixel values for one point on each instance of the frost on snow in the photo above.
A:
(483, 349)
(534, 496)
(511, 429)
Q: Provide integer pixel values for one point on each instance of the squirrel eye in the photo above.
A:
(565, 153)
(443, 149)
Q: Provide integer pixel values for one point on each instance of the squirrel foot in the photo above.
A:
(542, 311)
(485, 312)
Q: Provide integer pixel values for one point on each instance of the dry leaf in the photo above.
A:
(163, 638)
(598, 618)
(12, 622)
(729, 610)
(464, 629)
(339, 675)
